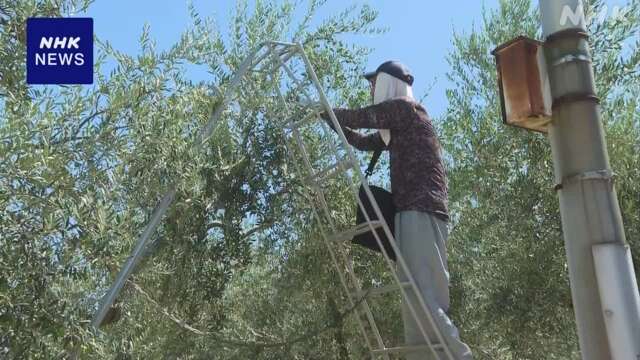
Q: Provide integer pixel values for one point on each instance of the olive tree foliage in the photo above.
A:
(237, 268)
(511, 293)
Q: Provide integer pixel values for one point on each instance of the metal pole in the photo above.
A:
(588, 203)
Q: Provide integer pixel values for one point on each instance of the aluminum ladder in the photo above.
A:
(274, 56)
(280, 53)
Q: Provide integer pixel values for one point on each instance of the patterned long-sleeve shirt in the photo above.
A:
(418, 176)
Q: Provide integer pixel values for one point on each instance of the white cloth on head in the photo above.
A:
(387, 88)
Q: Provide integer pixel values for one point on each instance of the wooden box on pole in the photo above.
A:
(524, 84)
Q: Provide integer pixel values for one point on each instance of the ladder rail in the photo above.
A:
(329, 244)
(354, 279)
(342, 279)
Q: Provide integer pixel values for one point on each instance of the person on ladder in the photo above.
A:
(419, 190)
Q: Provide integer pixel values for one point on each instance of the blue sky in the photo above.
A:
(419, 35)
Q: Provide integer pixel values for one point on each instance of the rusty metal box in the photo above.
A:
(524, 84)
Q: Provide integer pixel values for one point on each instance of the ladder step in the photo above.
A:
(315, 106)
(330, 172)
(375, 291)
(406, 349)
(358, 230)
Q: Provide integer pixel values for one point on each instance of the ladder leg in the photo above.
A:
(352, 277)
(344, 281)
(144, 238)
(365, 322)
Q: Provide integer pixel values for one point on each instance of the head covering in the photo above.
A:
(393, 68)
(389, 87)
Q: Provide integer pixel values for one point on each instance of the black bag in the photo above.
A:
(388, 209)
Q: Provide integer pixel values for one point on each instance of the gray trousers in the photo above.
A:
(422, 240)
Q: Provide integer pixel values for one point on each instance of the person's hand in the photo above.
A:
(325, 116)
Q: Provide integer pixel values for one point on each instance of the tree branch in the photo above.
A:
(257, 228)
(183, 324)
(337, 321)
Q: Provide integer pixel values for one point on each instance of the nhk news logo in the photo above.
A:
(59, 51)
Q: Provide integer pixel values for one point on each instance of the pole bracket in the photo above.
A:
(574, 97)
(598, 175)
(571, 58)
(573, 33)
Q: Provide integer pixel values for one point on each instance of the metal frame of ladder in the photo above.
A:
(279, 54)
